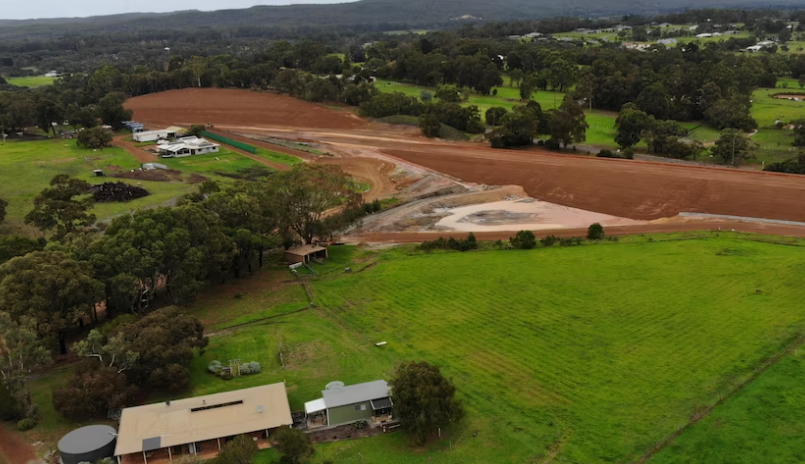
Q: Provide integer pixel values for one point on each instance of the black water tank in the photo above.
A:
(88, 444)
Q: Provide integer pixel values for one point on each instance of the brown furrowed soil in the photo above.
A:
(228, 106)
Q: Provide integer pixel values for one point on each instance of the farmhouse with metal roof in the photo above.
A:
(200, 426)
(342, 404)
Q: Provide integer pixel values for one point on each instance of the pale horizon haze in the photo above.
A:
(84, 8)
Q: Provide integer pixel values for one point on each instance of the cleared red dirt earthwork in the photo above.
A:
(632, 189)
(236, 107)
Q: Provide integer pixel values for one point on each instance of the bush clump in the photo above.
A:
(595, 232)
(470, 243)
(214, 367)
(523, 240)
(550, 240)
(26, 424)
(250, 368)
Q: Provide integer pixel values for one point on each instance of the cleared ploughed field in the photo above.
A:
(229, 106)
(631, 189)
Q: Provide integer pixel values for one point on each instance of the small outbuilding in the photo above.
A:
(340, 405)
(305, 254)
(88, 444)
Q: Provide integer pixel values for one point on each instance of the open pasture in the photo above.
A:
(588, 354)
(762, 423)
(30, 81)
(26, 168)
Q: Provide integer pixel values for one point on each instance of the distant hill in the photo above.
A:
(381, 14)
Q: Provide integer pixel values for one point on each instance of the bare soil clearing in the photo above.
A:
(228, 106)
(630, 189)
(637, 190)
(523, 214)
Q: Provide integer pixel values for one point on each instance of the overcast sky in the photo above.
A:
(29, 9)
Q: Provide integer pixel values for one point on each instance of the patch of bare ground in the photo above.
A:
(156, 175)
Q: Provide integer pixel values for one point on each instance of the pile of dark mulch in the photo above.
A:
(116, 191)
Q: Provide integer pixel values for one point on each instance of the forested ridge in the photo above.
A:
(371, 14)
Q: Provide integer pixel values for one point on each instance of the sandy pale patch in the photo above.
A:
(523, 214)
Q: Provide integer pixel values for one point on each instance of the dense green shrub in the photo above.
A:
(26, 424)
(430, 125)
(523, 240)
(214, 367)
(470, 243)
(552, 144)
(570, 241)
(550, 240)
(595, 232)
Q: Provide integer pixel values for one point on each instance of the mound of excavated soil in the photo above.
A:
(236, 107)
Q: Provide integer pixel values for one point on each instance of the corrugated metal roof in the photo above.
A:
(203, 418)
(342, 396)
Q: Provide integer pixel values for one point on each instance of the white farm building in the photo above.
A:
(154, 135)
(187, 146)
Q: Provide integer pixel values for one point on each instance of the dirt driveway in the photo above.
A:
(138, 153)
(14, 449)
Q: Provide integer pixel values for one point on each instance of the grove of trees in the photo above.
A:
(47, 295)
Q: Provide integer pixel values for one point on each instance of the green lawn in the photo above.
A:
(507, 97)
(27, 167)
(602, 129)
(767, 109)
(277, 157)
(594, 353)
(762, 423)
(208, 164)
(31, 81)
(773, 145)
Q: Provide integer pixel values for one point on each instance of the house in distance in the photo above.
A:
(342, 404)
(187, 146)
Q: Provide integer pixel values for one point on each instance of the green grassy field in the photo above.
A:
(26, 168)
(762, 423)
(766, 109)
(31, 81)
(591, 353)
(207, 165)
(277, 157)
